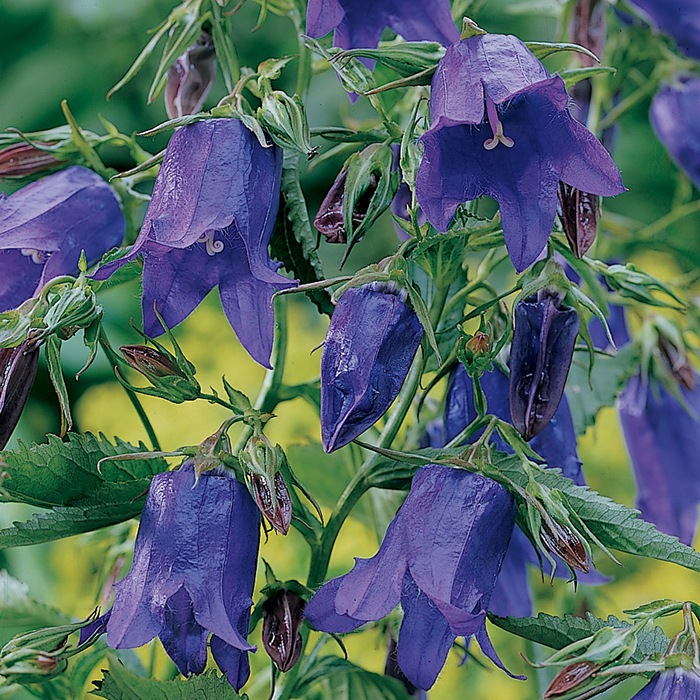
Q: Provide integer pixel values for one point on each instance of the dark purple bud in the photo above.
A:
(540, 356)
(587, 28)
(329, 221)
(22, 160)
(283, 615)
(371, 341)
(17, 372)
(190, 78)
(569, 678)
(579, 218)
(150, 361)
(565, 543)
(278, 512)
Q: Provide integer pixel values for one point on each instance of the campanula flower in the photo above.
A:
(360, 23)
(541, 352)
(662, 439)
(46, 225)
(674, 117)
(672, 684)
(371, 341)
(209, 223)
(18, 367)
(440, 558)
(500, 126)
(680, 19)
(193, 573)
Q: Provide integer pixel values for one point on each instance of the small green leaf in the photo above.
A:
(19, 609)
(542, 49)
(576, 75)
(119, 684)
(558, 632)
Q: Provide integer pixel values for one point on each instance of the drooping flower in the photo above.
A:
(678, 18)
(440, 558)
(662, 438)
(191, 77)
(371, 341)
(209, 223)
(674, 117)
(193, 573)
(500, 126)
(283, 614)
(17, 373)
(672, 684)
(360, 23)
(46, 225)
(541, 352)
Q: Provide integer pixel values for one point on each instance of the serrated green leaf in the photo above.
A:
(557, 632)
(588, 394)
(293, 241)
(19, 609)
(341, 679)
(119, 684)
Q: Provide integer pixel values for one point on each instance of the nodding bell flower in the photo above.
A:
(500, 126)
(360, 24)
(372, 339)
(18, 367)
(440, 559)
(190, 78)
(209, 224)
(672, 684)
(193, 573)
(283, 614)
(541, 351)
(45, 226)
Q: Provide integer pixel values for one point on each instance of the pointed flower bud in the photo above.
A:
(23, 159)
(541, 352)
(150, 361)
(284, 117)
(579, 218)
(371, 341)
(191, 77)
(17, 372)
(565, 543)
(569, 678)
(283, 615)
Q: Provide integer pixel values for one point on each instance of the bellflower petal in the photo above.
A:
(674, 117)
(193, 571)
(46, 225)
(672, 684)
(209, 223)
(662, 441)
(440, 559)
(490, 100)
(371, 341)
(678, 18)
(360, 23)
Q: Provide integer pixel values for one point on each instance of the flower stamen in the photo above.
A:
(496, 127)
(37, 256)
(213, 247)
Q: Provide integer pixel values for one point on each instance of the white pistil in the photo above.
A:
(213, 247)
(496, 127)
(37, 256)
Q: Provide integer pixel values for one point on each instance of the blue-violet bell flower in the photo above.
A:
(680, 19)
(672, 684)
(360, 23)
(372, 339)
(542, 348)
(674, 117)
(440, 558)
(501, 126)
(209, 223)
(662, 438)
(193, 573)
(46, 225)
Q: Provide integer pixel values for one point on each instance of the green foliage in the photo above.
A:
(119, 684)
(19, 610)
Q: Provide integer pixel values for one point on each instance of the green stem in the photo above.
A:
(667, 221)
(630, 101)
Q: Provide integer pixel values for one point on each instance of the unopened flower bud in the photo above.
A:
(285, 118)
(541, 353)
(18, 367)
(190, 78)
(569, 678)
(30, 666)
(587, 28)
(371, 341)
(579, 218)
(23, 159)
(564, 542)
(149, 361)
(283, 615)
(479, 344)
